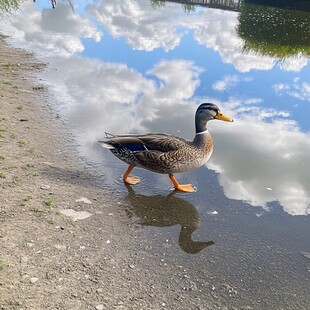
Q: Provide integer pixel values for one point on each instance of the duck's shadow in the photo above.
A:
(164, 211)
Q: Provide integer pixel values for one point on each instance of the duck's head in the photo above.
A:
(207, 112)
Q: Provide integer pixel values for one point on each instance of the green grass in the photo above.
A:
(28, 166)
(37, 210)
(8, 66)
(2, 175)
(20, 107)
(7, 83)
(48, 202)
(2, 157)
(31, 151)
(21, 143)
(51, 221)
(25, 200)
(16, 178)
(2, 265)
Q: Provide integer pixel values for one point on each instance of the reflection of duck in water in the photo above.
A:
(161, 211)
(164, 153)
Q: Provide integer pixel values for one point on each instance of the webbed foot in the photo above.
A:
(181, 187)
(132, 180)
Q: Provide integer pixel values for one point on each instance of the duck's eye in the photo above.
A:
(215, 113)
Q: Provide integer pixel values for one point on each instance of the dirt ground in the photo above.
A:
(65, 241)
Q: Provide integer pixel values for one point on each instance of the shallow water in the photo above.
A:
(132, 67)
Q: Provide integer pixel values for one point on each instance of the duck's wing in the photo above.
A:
(162, 142)
(147, 142)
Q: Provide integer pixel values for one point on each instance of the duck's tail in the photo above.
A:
(106, 143)
(109, 135)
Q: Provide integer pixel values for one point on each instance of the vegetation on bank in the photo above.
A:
(9, 5)
(274, 32)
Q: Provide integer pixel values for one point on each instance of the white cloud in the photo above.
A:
(229, 81)
(296, 63)
(98, 104)
(143, 27)
(253, 155)
(296, 89)
(50, 32)
(129, 97)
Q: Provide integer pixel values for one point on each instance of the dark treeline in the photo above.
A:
(236, 5)
(303, 5)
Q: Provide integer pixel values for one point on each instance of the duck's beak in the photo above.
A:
(223, 117)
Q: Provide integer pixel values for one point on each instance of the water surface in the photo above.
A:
(144, 66)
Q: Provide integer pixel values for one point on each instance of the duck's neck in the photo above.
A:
(202, 135)
(202, 139)
(200, 127)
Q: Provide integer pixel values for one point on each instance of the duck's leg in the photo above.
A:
(132, 180)
(181, 187)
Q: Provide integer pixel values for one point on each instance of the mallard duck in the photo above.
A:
(167, 154)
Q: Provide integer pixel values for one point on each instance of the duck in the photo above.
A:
(164, 153)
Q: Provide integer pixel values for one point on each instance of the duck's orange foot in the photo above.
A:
(185, 188)
(181, 187)
(132, 180)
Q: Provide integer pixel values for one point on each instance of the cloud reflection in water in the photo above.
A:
(262, 149)
(262, 158)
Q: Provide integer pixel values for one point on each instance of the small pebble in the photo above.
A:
(306, 254)
(33, 280)
(45, 187)
(76, 216)
(84, 199)
(60, 247)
